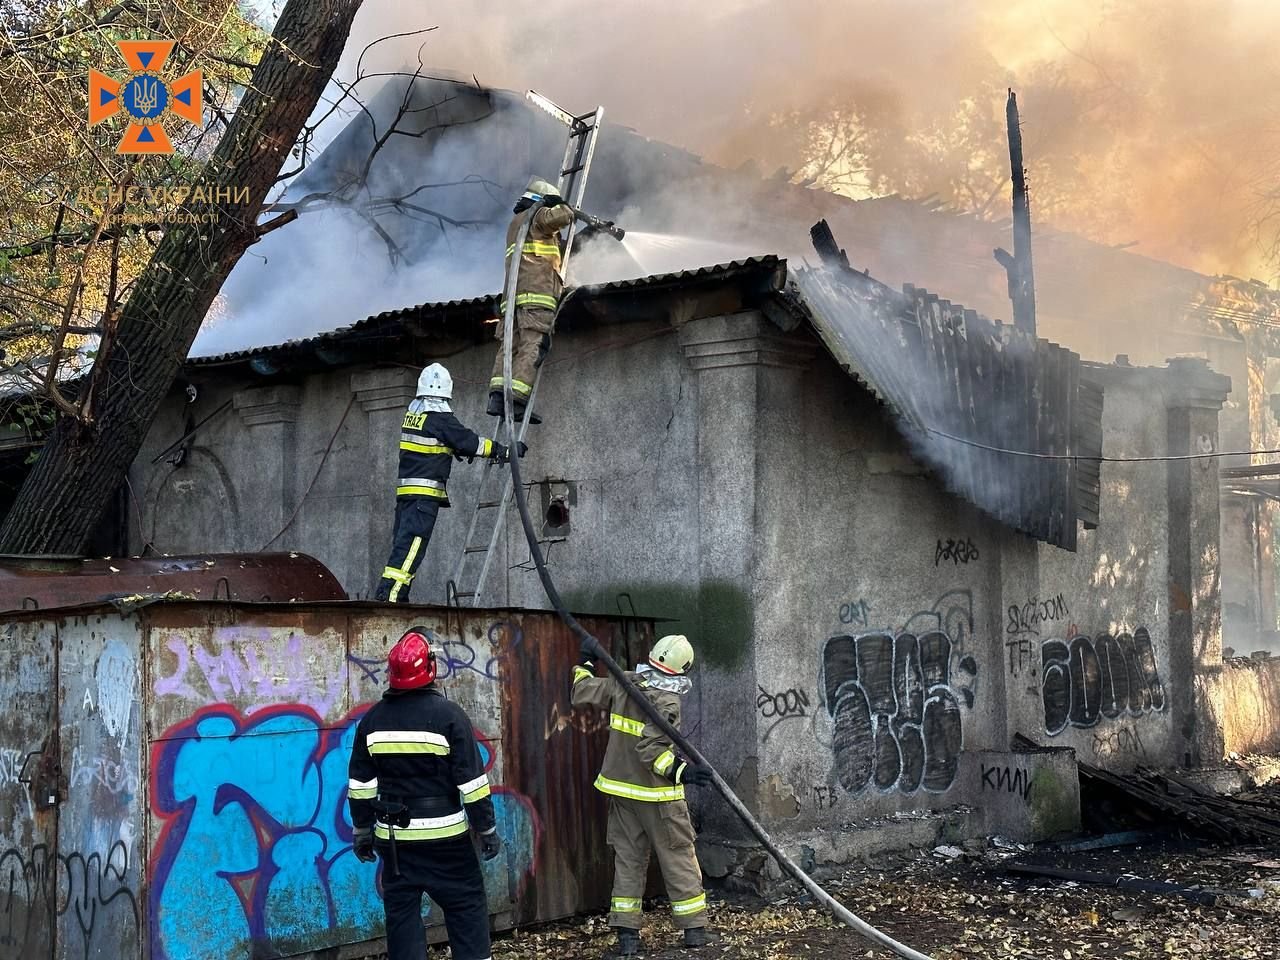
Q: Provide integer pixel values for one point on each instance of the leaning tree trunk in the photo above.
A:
(81, 466)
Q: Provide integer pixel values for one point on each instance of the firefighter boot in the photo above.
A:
(628, 943)
(495, 407)
(696, 937)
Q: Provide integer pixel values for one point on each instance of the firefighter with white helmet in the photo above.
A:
(644, 778)
(431, 437)
(537, 293)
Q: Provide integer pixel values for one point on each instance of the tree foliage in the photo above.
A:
(73, 241)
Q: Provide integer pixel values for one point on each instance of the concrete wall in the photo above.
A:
(1251, 706)
(877, 634)
(1087, 653)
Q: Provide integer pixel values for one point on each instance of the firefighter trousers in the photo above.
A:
(415, 519)
(533, 329)
(447, 871)
(635, 828)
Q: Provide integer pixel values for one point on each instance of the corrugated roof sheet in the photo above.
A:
(479, 308)
(965, 391)
(352, 330)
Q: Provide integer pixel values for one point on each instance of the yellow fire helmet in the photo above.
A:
(672, 654)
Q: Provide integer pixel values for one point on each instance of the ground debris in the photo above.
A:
(955, 909)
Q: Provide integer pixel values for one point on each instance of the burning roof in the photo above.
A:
(954, 381)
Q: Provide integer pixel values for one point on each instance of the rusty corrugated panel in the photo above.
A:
(32, 582)
(991, 409)
(553, 753)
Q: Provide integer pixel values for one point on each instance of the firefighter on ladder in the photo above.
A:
(537, 293)
(430, 438)
(644, 778)
(417, 789)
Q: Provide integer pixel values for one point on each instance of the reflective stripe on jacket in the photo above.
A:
(539, 283)
(639, 754)
(415, 745)
(428, 442)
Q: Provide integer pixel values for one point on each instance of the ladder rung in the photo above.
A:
(460, 594)
(565, 173)
(488, 503)
(475, 549)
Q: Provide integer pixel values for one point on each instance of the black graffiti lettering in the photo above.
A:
(1117, 742)
(38, 890)
(957, 551)
(788, 703)
(1085, 680)
(1036, 611)
(895, 710)
(1021, 652)
(825, 798)
(857, 612)
(1007, 780)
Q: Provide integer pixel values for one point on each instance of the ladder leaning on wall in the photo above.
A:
(494, 497)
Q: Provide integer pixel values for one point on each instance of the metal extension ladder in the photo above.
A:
(467, 584)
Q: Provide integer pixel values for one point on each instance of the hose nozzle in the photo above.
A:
(608, 226)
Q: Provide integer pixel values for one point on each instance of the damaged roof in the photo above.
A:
(1000, 416)
(963, 389)
(468, 320)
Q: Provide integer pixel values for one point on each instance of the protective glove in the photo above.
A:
(363, 844)
(500, 453)
(490, 844)
(587, 654)
(522, 447)
(688, 772)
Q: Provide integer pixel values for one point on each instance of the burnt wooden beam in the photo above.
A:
(1018, 265)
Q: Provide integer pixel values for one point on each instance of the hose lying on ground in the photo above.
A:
(688, 749)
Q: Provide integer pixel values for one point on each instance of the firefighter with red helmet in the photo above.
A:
(417, 790)
(644, 778)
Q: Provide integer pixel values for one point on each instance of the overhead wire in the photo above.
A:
(1031, 454)
(839, 910)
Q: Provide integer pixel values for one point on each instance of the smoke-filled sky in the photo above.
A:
(1153, 122)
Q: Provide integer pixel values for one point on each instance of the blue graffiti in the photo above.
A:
(255, 856)
(453, 657)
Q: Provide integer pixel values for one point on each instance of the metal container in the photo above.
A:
(173, 778)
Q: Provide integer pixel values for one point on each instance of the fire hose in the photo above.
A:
(839, 910)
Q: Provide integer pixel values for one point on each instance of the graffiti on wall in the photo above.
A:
(87, 896)
(255, 843)
(895, 709)
(1087, 679)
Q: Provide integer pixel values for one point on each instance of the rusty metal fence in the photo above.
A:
(173, 779)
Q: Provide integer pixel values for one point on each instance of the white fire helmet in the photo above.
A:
(434, 381)
(672, 654)
(538, 188)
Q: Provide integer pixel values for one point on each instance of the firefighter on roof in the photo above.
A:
(644, 778)
(430, 437)
(537, 292)
(417, 789)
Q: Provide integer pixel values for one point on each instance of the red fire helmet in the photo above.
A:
(411, 664)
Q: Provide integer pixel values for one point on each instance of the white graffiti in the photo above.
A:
(116, 677)
(11, 764)
(115, 776)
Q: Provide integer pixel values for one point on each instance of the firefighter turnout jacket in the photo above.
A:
(418, 749)
(429, 440)
(639, 761)
(539, 282)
